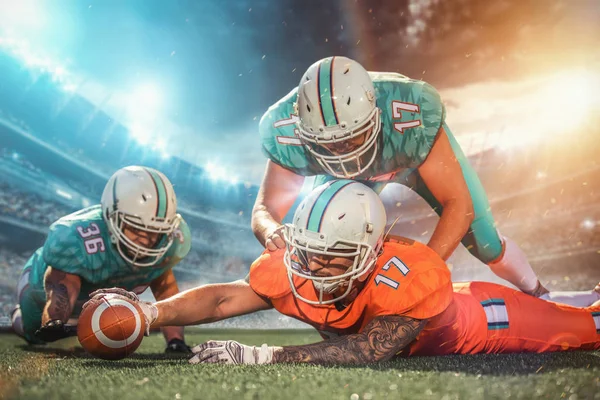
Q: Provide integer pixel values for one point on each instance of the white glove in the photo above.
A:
(150, 311)
(232, 352)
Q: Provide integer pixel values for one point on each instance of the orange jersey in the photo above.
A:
(410, 279)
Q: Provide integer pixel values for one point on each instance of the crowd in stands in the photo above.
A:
(29, 207)
(11, 264)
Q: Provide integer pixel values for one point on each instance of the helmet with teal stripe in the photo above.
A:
(141, 199)
(339, 120)
(341, 218)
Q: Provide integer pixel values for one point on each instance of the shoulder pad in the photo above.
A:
(410, 280)
(76, 247)
(268, 275)
(279, 140)
(412, 115)
(182, 243)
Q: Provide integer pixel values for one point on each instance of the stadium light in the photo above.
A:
(215, 172)
(59, 73)
(144, 99)
(140, 134)
(159, 144)
(233, 180)
(69, 87)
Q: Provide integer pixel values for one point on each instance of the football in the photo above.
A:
(111, 327)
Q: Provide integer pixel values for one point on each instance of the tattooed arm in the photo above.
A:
(62, 290)
(381, 339)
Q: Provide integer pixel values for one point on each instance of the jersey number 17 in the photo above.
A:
(396, 263)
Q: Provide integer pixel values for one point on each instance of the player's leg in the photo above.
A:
(504, 257)
(483, 240)
(521, 323)
(27, 317)
(583, 298)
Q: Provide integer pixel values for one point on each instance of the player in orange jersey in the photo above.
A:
(371, 297)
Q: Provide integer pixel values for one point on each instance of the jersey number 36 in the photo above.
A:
(93, 241)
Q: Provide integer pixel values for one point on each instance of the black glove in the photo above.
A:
(54, 330)
(177, 346)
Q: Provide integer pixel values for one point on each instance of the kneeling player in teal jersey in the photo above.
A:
(131, 240)
(344, 122)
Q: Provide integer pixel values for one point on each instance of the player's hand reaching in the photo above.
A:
(274, 239)
(150, 311)
(115, 290)
(55, 330)
(231, 352)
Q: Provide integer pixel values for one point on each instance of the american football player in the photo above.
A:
(370, 297)
(131, 240)
(380, 127)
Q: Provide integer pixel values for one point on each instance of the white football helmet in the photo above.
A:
(341, 218)
(144, 199)
(337, 108)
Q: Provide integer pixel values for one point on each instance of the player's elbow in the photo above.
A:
(223, 308)
(257, 212)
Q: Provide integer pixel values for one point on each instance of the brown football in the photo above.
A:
(111, 327)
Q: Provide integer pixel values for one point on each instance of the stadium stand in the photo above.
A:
(55, 141)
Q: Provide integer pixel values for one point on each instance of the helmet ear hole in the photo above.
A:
(349, 100)
(308, 108)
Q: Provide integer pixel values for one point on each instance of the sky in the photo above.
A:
(198, 75)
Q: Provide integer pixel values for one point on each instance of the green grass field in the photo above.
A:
(65, 371)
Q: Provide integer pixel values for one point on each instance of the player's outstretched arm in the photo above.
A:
(278, 191)
(163, 287)
(62, 290)
(381, 339)
(209, 303)
(443, 176)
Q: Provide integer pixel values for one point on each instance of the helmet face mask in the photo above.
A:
(130, 250)
(139, 199)
(351, 163)
(363, 257)
(337, 112)
(338, 219)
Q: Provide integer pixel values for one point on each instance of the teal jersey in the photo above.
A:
(411, 116)
(80, 244)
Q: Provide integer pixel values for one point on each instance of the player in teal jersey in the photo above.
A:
(344, 122)
(131, 240)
